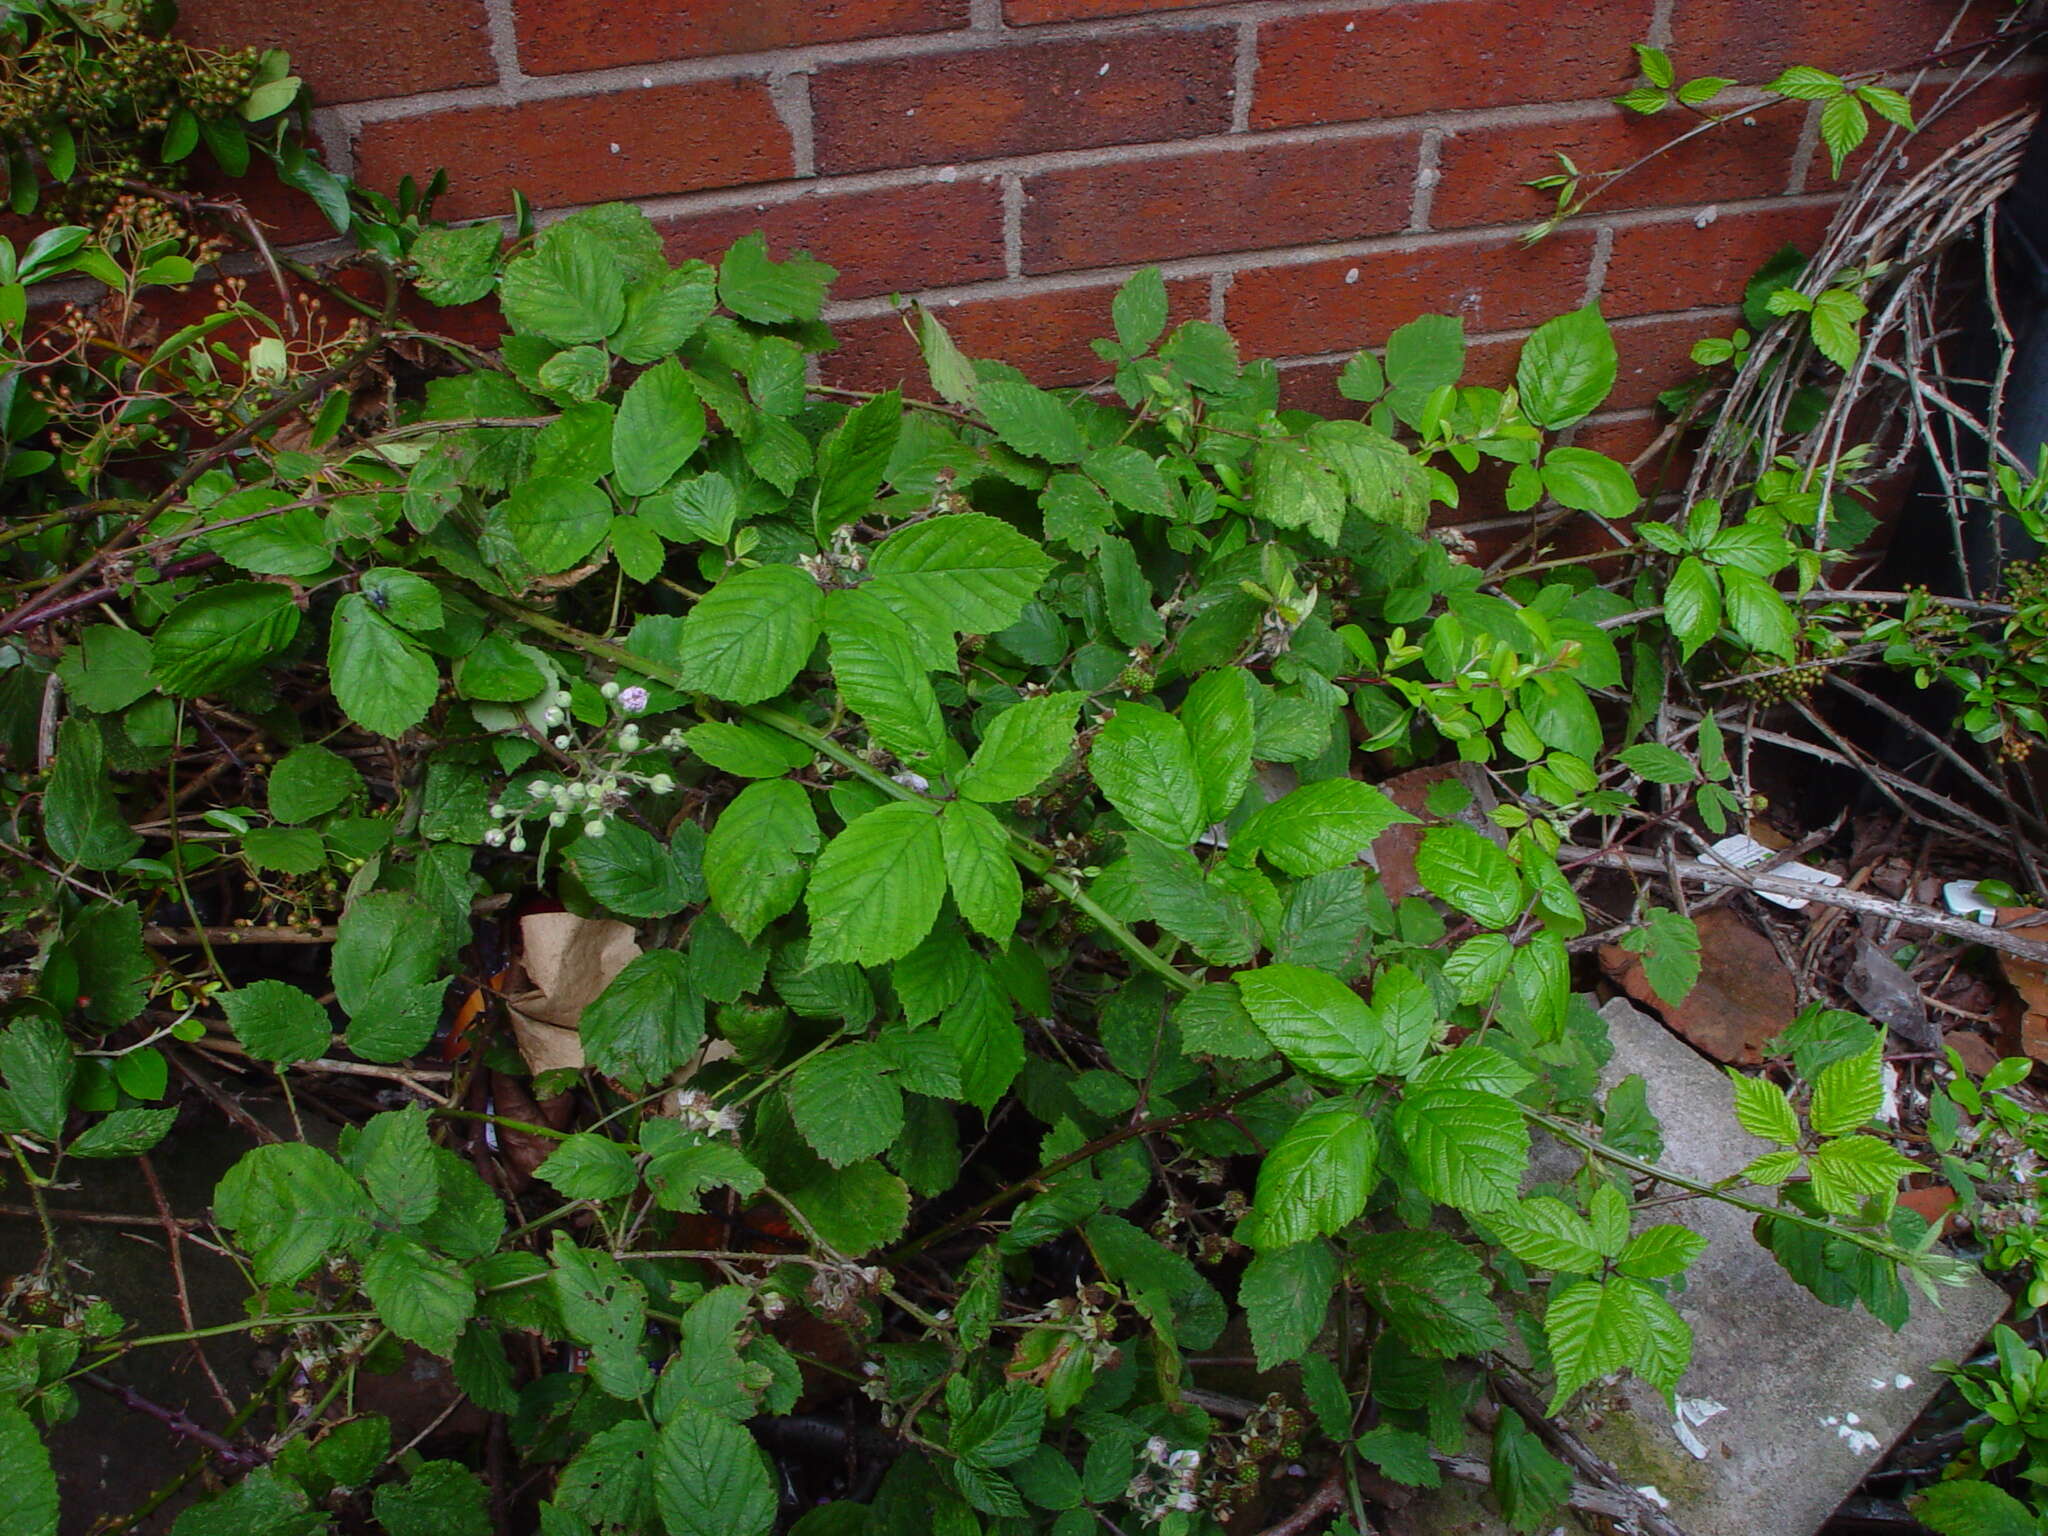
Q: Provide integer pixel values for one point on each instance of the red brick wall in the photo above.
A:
(1310, 173)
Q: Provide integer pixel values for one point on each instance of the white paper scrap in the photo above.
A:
(1745, 852)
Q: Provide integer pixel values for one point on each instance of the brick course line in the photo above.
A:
(718, 199)
(1292, 256)
(1219, 296)
(522, 87)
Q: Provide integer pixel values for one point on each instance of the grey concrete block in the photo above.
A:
(1810, 1396)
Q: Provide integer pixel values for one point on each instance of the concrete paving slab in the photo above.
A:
(1790, 1401)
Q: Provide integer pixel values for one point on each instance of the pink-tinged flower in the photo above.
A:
(632, 700)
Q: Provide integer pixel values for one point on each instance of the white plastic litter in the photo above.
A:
(1745, 852)
(1961, 897)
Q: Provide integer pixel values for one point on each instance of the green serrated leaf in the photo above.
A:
(877, 887)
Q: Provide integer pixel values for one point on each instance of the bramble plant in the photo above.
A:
(975, 775)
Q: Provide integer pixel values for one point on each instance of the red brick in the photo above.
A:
(2017, 90)
(1218, 200)
(1345, 66)
(347, 50)
(1672, 266)
(1485, 171)
(1044, 334)
(585, 149)
(1326, 306)
(1026, 13)
(1656, 353)
(560, 36)
(1017, 100)
(897, 240)
(1753, 42)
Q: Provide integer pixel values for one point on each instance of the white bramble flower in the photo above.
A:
(632, 700)
(495, 837)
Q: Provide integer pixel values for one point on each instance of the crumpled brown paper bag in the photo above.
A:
(568, 960)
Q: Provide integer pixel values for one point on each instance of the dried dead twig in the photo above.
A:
(1826, 895)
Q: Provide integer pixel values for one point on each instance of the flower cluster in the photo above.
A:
(1171, 1484)
(609, 778)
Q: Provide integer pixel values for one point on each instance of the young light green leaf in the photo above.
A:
(1470, 872)
(1316, 1022)
(1468, 1149)
(1662, 1250)
(972, 571)
(1320, 826)
(754, 861)
(877, 887)
(1021, 748)
(1547, 1233)
(1142, 762)
(659, 425)
(1592, 1329)
(1316, 1179)
(1762, 1109)
(1847, 1093)
(986, 886)
(1567, 366)
(749, 636)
